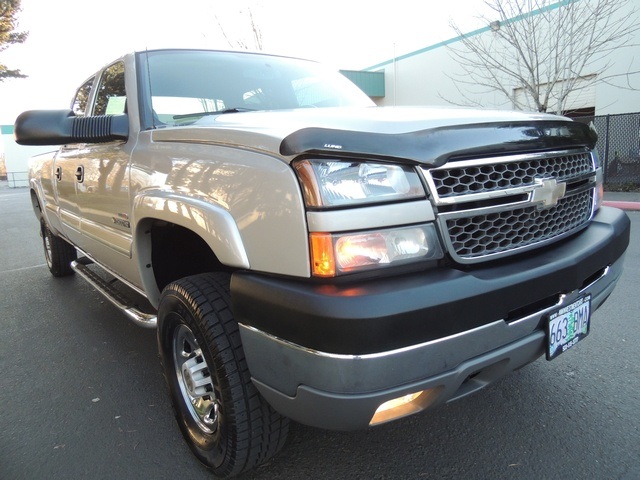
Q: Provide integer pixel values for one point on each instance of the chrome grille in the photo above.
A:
(494, 207)
(478, 176)
(492, 233)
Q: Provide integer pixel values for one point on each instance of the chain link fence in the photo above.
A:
(16, 179)
(619, 149)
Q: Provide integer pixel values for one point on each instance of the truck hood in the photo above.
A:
(424, 135)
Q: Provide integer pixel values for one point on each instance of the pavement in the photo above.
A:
(624, 200)
(83, 396)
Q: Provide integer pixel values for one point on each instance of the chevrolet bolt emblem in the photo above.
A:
(547, 192)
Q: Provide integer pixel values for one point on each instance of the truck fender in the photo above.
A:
(39, 203)
(211, 222)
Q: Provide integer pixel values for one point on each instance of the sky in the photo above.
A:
(70, 39)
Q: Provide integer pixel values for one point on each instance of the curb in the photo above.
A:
(632, 206)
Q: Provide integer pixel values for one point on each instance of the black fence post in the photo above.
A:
(606, 148)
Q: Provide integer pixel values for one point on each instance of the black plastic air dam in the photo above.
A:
(388, 313)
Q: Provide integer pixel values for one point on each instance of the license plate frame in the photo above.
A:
(567, 326)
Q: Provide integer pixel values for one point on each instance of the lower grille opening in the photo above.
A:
(532, 308)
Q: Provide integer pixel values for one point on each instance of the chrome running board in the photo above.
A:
(116, 297)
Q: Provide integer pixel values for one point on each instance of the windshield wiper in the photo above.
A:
(216, 112)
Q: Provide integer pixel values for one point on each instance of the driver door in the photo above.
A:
(102, 182)
(65, 168)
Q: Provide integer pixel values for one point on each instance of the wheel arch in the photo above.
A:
(176, 236)
(39, 203)
(35, 203)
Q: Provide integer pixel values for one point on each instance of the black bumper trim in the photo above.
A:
(389, 313)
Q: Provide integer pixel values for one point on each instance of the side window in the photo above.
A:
(111, 98)
(79, 104)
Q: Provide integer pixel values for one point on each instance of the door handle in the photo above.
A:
(59, 173)
(80, 174)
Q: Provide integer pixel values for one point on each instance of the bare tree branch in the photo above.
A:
(538, 52)
(240, 40)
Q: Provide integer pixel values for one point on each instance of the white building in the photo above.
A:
(14, 158)
(424, 77)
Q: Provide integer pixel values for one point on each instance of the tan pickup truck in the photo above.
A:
(306, 255)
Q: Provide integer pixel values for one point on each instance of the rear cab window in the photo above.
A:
(111, 97)
(81, 100)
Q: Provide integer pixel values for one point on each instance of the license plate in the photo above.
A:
(567, 326)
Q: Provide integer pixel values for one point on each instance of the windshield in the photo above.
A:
(183, 85)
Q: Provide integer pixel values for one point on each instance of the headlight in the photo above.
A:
(333, 183)
(336, 254)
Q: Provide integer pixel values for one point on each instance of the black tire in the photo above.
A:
(57, 252)
(225, 421)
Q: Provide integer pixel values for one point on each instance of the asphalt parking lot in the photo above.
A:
(82, 396)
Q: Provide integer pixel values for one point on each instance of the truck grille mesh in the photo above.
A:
(495, 207)
(492, 233)
(489, 177)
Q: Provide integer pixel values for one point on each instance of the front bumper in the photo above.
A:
(330, 356)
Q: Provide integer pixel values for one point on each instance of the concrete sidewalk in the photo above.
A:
(623, 200)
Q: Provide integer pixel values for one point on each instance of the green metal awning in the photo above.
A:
(371, 83)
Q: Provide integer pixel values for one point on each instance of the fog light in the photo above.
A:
(405, 405)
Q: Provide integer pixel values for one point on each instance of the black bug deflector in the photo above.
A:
(434, 147)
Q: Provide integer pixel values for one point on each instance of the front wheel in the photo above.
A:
(223, 418)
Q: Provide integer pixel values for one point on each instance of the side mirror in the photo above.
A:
(59, 127)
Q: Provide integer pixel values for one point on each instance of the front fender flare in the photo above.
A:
(214, 224)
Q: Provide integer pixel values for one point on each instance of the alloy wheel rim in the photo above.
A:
(195, 380)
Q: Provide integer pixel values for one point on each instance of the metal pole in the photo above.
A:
(395, 76)
(606, 148)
